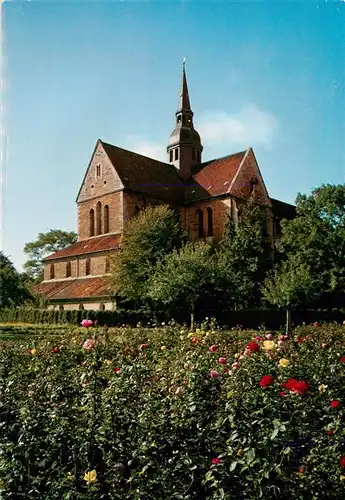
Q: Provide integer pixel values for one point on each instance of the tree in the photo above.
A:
(147, 239)
(245, 257)
(316, 237)
(13, 291)
(184, 276)
(46, 244)
(290, 284)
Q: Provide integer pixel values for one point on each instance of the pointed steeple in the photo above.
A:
(184, 103)
(184, 147)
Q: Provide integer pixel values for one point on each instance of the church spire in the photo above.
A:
(184, 147)
(184, 103)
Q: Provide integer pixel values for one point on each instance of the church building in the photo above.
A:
(119, 183)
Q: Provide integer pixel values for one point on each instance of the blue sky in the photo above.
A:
(266, 74)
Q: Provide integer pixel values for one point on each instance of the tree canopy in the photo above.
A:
(13, 290)
(46, 244)
(147, 239)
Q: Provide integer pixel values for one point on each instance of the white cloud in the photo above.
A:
(143, 146)
(251, 126)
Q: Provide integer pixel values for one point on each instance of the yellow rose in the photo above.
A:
(284, 362)
(268, 345)
(33, 351)
(163, 348)
(90, 477)
(107, 361)
(237, 355)
(70, 476)
(240, 452)
(342, 478)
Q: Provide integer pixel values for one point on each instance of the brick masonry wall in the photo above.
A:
(78, 267)
(220, 210)
(114, 202)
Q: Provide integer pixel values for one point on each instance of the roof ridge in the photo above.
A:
(139, 154)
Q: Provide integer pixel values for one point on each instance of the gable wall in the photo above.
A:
(241, 186)
(114, 201)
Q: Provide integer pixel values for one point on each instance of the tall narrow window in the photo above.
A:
(68, 269)
(52, 271)
(176, 154)
(61, 307)
(99, 218)
(106, 219)
(209, 222)
(92, 222)
(107, 264)
(171, 157)
(98, 170)
(87, 266)
(200, 218)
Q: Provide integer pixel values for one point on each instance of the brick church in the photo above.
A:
(118, 183)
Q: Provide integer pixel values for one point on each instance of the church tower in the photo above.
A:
(184, 147)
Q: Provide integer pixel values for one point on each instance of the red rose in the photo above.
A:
(300, 340)
(116, 370)
(222, 360)
(296, 386)
(253, 346)
(282, 393)
(212, 348)
(215, 461)
(266, 380)
(56, 349)
(342, 461)
(143, 346)
(342, 360)
(195, 340)
(330, 432)
(334, 404)
(213, 373)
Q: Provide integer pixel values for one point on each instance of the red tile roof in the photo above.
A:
(214, 177)
(75, 289)
(141, 174)
(91, 245)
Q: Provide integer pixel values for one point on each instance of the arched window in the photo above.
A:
(106, 219)
(171, 155)
(87, 266)
(101, 307)
(61, 307)
(92, 222)
(81, 307)
(200, 219)
(52, 271)
(68, 269)
(176, 154)
(209, 222)
(99, 218)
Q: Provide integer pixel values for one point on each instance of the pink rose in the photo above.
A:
(323, 345)
(89, 344)
(280, 343)
(212, 348)
(235, 365)
(143, 346)
(269, 336)
(86, 323)
(214, 373)
(215, 461)
(222, 360)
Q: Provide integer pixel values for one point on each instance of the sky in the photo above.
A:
(266, 74)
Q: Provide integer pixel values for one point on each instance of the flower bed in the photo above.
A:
(161, 413)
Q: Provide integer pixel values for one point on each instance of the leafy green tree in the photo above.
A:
(316, 237)
(46, 244)
(245, 257)
(13, 290)
(184, 277)
(147, 239)
(289, 285)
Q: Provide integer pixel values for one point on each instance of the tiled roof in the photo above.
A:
(283, 210)
(75, 289)
(214, 177)
(144, 175)
(91, 245)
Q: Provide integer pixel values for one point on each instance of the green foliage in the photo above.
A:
(13, 289)
(316, 238)
(152, 428)
(245, 256)
(147, 239)
(184, 276)
(46, 244)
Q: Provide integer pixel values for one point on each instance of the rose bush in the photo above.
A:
(216, 414)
